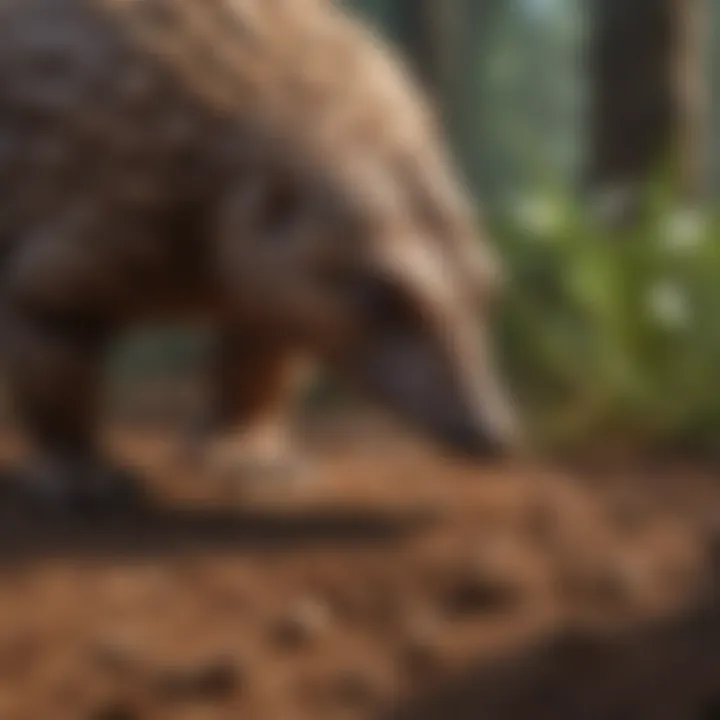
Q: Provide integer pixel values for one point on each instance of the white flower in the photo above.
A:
(683, 231)
(538, 214)
(668, 305)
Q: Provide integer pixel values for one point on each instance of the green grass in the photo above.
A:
(608, 333)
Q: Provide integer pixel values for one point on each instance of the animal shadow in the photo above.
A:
(156, 528)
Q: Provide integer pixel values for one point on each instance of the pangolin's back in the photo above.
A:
(131, 84)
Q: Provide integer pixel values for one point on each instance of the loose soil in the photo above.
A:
(392, 584)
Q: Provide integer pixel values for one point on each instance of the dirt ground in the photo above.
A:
(395, 585)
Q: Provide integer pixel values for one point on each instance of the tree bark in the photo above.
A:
(440, 38)
(693, 83)
(649, 92)
(430, 33)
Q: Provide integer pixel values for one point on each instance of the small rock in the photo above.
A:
(473, 595)
(307, 621)
(486, 585)
(215, 680)
(421, 651)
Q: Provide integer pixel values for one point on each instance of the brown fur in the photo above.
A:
(229, 159)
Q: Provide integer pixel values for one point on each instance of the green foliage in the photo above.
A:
(609, 333)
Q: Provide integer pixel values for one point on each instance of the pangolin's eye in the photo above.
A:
(381, 303)
(282, 209)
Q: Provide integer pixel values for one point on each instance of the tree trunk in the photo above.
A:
(693, 82)
(648, 110)
(440, 38)
(430, 32)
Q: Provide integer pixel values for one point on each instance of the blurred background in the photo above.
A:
(396, 584)
(587, 130)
